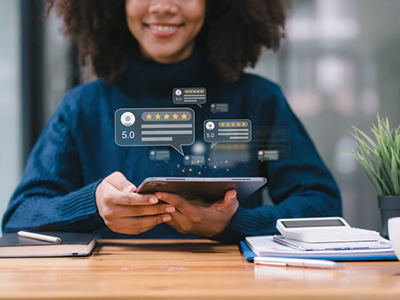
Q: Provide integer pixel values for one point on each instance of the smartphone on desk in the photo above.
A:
(202, 190)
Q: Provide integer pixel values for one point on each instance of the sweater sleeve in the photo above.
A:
(300, 184)
(51, 195)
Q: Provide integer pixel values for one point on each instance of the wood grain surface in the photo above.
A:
(187, 269)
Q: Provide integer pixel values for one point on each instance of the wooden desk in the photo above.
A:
(179, 269)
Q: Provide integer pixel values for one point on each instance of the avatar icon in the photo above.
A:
(127, 119)
(210, 125)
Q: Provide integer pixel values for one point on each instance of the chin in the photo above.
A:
(166, 54)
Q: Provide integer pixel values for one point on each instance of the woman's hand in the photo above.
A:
(127, 212)
(205, 221)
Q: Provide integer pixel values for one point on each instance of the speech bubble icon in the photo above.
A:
(219, 107)
(226, 131)
(159, 155)
(194, 160)
(264, 155)
(186, 96)
(173, 127)
(273, 138)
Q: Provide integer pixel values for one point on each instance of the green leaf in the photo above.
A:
(369, 140)
(379, 156)
(395, 173)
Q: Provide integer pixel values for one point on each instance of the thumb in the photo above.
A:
(119, 181)
(230, 197)
(129, 187)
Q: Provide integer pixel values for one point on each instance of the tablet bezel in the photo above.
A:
(202, 189)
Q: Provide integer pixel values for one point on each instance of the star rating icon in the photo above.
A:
(164, 116)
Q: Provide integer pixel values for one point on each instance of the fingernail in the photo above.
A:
(170, 209)
(159, 196)
(233, 197)
(129, 187)
(166, 218)
(153, 200)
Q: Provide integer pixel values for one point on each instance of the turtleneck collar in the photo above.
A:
(146, 75)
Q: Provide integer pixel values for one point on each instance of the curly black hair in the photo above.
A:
(234, 32)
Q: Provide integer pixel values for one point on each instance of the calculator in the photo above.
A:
(323, 230)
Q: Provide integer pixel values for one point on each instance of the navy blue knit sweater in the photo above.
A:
(77, 149)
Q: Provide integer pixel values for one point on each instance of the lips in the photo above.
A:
(163, 29)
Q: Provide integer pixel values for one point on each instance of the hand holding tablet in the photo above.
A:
(202, 190)
(211, 204)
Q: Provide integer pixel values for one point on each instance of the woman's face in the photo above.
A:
(165, 29)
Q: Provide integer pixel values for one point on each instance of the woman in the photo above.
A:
(79, 179)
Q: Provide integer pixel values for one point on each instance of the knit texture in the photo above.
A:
(77, 149)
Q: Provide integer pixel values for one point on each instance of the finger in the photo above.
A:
(114, 197)
(123, 211)
(138, 225)
(229, 202)
(180, 222)
(177, 201)
(119, 181)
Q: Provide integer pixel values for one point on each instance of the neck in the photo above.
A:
(183, 54)
(147, 75)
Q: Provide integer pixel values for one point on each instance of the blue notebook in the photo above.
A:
(249, 255)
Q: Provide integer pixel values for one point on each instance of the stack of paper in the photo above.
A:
(265, 246)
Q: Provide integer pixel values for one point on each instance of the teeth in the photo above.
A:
(162, 28)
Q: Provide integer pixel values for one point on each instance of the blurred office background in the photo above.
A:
(339, 66)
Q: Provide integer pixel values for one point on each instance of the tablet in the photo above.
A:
(202, 190)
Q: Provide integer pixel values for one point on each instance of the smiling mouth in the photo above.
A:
(163, 28)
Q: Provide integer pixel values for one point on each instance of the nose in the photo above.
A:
(163, 7)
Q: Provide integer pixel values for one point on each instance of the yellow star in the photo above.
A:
(158, 117)
(166, 116)
(184, 116)
(227, 124)
(175, 116)
(233, 124)
(148, 116)
(243, 124)
(223, 124)
(238, 124)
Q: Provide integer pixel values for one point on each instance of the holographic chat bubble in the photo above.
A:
(155, 127)
(186, 96)
(219, 107)
(159, 155)
(228, 155)
(273, 138)
(194, 160)
(226, 131)
(264, 155)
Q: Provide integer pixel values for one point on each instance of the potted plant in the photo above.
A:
(380, 159)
